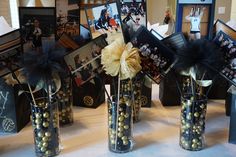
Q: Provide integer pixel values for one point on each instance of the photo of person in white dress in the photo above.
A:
(195, 17)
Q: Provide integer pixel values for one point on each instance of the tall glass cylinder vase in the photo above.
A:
(120, 120)
(192, 128)
(46, 127)
(134, 89)
(65, 102)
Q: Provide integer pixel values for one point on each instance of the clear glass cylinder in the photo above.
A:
(134, 89)
(120, 124)
(193, 113)
(138, 83)
(65, 102)
(45, 124)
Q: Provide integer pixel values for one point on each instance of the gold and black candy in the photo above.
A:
(65, 103)
(192, 128)
(46, 128)
(120, 125)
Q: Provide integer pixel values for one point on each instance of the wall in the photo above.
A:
(38, 3)
(233, 10)
(223, 3)
(156, 10)
(5, 10)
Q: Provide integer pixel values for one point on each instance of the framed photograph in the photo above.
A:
(228, 47)
(85, 62)
(195, 18)
(221, 26)
(156, 58)
(157, 35)
(10, 48)
(38, 27)
(83, 18)
(85, 34)
(133, 16)
(105, 19)
(175, 41)
(84, 26)
(68, 19)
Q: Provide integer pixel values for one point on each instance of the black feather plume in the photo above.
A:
(42, 65)
(201, 54)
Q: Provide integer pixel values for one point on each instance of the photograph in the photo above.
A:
(133, 16)
(68, 19)
(228, 47)
(10, 48)
(38, 27)
(156, 34)
(83, 18)
(105, 19)
(195, 21)
(155, 57)
(85, 62)
(175, 41)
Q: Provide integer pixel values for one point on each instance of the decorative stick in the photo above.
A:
(31, 93)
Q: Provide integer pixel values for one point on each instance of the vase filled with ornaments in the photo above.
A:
(42, 72)
(123, 63)
(194, 62)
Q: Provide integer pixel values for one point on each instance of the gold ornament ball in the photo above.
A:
(125, 142)
(45, 124)
(120, 134)
(45, 144)
(196, 114)
(120, 129)
(121, 118)
(194, 146)
(47, 134)
(45, 139)
(40, 134)
(126, 127)
(46, 115)
(43, 149)
(48, 152)
(124, 138)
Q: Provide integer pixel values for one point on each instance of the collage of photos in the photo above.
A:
(85, 62)
(195, 21)
(228, 46)
(153, 54)
(68, 19)
(133, 16)
(37, 27)
(105, 19)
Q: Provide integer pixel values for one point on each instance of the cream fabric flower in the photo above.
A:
(120, 58)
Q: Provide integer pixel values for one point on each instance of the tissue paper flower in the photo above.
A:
(118, 58)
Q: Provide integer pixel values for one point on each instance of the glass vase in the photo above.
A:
(134, 89)
(120, 124)
(45, 124)
(138, 83)
(120, 115)
(192, 128)
(65, 102)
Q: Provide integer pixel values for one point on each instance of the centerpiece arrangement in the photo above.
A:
(122, 61)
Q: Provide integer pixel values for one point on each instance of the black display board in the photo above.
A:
(14, 106)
